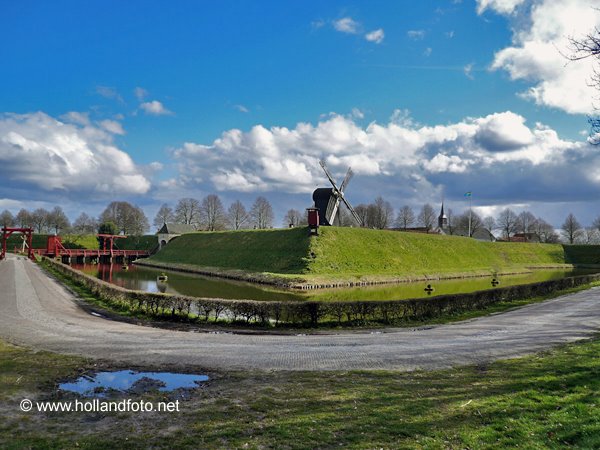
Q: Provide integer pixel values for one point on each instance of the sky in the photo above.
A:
(149, 102)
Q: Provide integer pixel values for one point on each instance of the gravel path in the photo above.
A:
(37, 311)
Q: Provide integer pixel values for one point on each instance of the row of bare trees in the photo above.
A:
(40, 219)
(210, 214)
(122, 217)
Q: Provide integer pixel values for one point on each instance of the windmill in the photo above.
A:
(327, 200)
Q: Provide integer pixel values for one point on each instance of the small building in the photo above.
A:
(170, 231)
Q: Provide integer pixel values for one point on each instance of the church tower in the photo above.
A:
(442, 219)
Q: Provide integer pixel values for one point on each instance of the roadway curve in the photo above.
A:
(37, 311)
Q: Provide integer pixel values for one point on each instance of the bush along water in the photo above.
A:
(309, 313)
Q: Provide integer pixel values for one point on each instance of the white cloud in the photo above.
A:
(449, 34)
(468, 70)
(535, 56)
(357, 113)
(500, 6)
(416, 35)
(241, 108)
(109, 92)
(140, 93)
(76, 117)
(376, 36)
(318, 23)
(427, 52)
(498, 155)
(155, 108)
(39, 154)
(346, 25)
(112, 126)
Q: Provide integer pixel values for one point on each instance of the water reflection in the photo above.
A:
(146, 279)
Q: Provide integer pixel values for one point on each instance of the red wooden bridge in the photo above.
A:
(55, 248)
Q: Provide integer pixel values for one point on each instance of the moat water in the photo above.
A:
(145, 279)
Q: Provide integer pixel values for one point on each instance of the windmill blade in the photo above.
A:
(333, 212)
(354, 213)
(331, 180)
(347, 179)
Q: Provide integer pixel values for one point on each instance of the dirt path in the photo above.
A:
(37, 311)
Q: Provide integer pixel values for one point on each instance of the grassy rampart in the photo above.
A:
(355, 255)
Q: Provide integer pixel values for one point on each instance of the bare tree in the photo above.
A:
(571, 229)
(427, 217)
(507, 222)
(293, 217)
(591, 235)
(462, 223)
(85, 224)
(6, 219)
(490, 225)
(363, 212)
(526, 222)
(406, 217)
(545, 232)
(382, 213)
(58, 220)
(212, 213)
(164, 215)
(23, 218)
(187, 211)
(39, 219)
(128, 218)
(451, 223)
(262, 213)
(589, 47)
(237, 216)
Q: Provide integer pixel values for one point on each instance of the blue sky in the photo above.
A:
(149, 102)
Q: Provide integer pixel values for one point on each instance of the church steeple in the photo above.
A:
(442, 219)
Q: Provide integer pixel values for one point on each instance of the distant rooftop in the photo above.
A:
(176, 228)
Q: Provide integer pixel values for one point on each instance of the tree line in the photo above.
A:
(210, 214)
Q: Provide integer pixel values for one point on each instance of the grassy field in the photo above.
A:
(354, 253)
(548, 400)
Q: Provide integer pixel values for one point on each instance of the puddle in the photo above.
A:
(127, 381)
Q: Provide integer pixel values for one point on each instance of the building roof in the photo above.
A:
(480, 234)
(176, 228)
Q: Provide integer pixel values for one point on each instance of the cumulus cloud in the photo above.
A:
(498, 155)
(39, 154)
(140, 93)
(416, 35)
(346, 25)
(155, 108)
(540, 35)
(241, 108)
(109, 92)
(112, 126)
(500, 6)
(376, 36)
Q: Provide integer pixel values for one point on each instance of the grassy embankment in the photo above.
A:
(351, 254)
(548, 400)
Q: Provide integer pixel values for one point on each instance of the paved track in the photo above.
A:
(37, 311)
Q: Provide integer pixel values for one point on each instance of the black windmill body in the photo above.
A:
(327, 200)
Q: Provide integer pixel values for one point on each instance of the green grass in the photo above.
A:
(354, 253)
(549, 400)
(276, 251)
